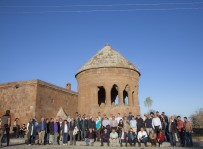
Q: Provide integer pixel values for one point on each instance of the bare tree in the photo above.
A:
(197, 118)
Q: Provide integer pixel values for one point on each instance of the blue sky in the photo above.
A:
(51, 40)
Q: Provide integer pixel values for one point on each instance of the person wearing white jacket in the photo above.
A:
(156, 124)
(142, 137)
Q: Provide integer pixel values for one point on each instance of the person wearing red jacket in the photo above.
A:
(160, 138)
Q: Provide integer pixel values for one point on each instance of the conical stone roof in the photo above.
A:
(108, 57)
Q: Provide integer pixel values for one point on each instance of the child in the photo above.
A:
(160, 138)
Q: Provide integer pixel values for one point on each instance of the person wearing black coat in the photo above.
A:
(172, 132)
(105, 137)
(140, 123)
(91, 124)
(83, 127)
(51, 131)
(72, 125)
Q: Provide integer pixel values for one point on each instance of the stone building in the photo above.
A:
(107, 83)
(36, 98)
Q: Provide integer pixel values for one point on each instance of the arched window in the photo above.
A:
(125, 95)
(114, 95)
(133, 100)
(101, 95)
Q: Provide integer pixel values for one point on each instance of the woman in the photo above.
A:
(152, 136)
(98, 128)
(172, 131)
(31, 131)
(126, 125)
(160, 138)
(16, 128)
(120, 126)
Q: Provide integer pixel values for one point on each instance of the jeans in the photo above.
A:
(188, 139)
(7, 130)
(31, 140)
(89, 141)
(83, 134)
(172, 139)
(65, 138)
(46, 138)
(182, 138)
(144, 140)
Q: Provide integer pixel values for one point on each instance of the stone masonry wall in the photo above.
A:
(89, 80)
(50, 98)
(19, 98)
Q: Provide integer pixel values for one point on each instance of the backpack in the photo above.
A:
(4, 121)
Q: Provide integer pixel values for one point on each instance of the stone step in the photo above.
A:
(78, 143)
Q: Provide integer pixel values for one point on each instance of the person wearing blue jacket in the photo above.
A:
(42, 127)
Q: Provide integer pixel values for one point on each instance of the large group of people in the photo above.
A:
(116, 130)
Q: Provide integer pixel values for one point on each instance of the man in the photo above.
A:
(118, 118)
(148, 124)
(5, 126)
(133, 124)
(142, 137)
(91, 123)
(165, 117)
(105, 137)
(113, 123)
(156, 124)
(132, 137)
(72, 126)
(47, 131)
(140, 123)
(83, 127)
(180, 126)
(42, 127)
(188, 132)
(89, 139)
(129, 118)
(54, 126)
(106, 123)
(114, 138)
